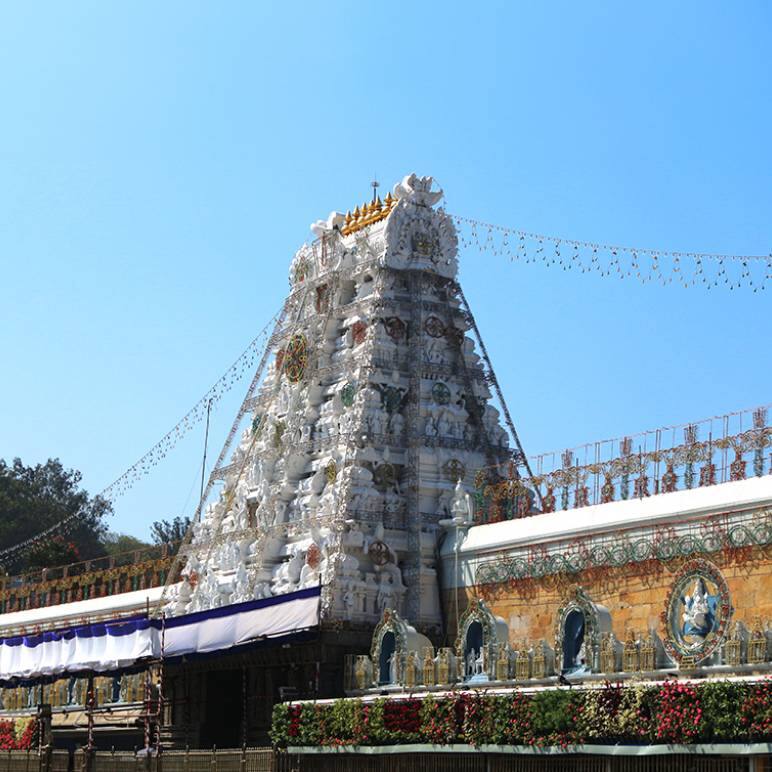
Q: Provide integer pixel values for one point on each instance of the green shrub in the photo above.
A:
(669, 712)
(721, 719)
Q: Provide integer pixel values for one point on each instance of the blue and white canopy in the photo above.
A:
(110, 646)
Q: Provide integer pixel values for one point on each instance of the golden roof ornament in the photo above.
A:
(369, 213)
(414, 189)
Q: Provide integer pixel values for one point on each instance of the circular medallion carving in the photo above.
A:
(379, 553)
(313, 555)
(278, 432)
(359, 332)
(347, 394)
(426, 244)
(697, 612)
(384, 476)
(395, 328)
(301, 271)
(391, 398)
(296, 358)
(440, 393)
(434, 327)
(455, 470)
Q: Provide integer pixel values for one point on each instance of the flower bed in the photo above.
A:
(671, 712)
(18, 734)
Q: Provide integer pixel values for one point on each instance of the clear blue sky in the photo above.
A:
(160, 163)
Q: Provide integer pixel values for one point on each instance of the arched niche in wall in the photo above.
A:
(393, 639)
(578, 629)
(479, 636)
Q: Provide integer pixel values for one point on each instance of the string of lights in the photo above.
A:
(666, 267)
(123, 483)
(689, 269)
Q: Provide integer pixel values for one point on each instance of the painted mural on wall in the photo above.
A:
(697, 613)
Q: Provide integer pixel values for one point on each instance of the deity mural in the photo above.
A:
(697, 613)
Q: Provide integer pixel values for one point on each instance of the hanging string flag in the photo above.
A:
(126, 481)
(688, 269)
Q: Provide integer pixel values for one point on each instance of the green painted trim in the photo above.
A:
(728, 749)
(569, 561)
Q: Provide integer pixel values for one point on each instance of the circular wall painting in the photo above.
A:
(395, 328)
(313, 555)
(384, 476)
(296, 358)
(698, 611)
(434, 327)
(454, 470)
(379, 553)
(347, 394)
(440, 393)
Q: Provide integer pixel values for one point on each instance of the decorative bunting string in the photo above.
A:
(689, 269)
(245, 363)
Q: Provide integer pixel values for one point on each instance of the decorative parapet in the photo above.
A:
(630, 467)
(733, 534)
(125, 572)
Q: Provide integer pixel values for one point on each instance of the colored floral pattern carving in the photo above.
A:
(347, 394)
(434, 327)
(359, 332)
(296, 358)
(440, 393)
(395, 328)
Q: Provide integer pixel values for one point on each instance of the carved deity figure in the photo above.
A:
(461, 503)
(502, 663)
(385, 596)
(442, 667)
(360, 673)
(410, 670)
(581, 656)
(394, 668)
(428, 667)
(697, 616)
(539, 661)
(479, 663)
(287, 574)
(471, 657)
(348, 604)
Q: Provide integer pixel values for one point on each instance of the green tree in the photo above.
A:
(166, 531)
(34, 498)
(116, 543)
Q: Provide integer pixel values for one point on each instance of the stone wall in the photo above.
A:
(635, 595)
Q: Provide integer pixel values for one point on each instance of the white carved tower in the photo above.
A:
(374, 405)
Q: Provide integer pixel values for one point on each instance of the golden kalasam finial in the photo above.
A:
(369, 213)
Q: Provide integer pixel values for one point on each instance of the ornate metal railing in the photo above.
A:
(730, 447)
(124, 572)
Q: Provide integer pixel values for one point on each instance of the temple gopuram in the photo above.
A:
(377, 567)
